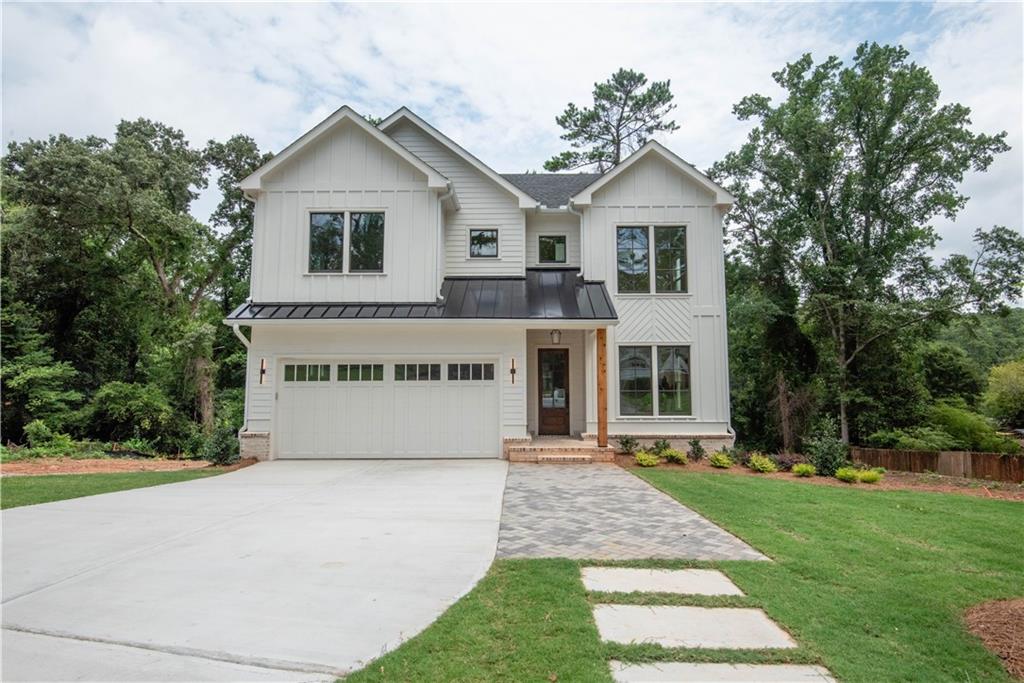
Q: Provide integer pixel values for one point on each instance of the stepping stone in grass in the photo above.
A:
(685, 672)
(672, 626)
(684, 581)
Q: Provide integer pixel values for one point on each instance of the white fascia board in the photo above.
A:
(525, 200)
(435, 180)
(722, 196)
(528, 323)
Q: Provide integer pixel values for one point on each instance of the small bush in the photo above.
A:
(41, 438)
(825, 449)
(972, 432)
(761, 463)
(660, 446)
(914, 439)
(786, 461)
(697, 451)
(628, 444)
(120, 411)
(221, 448)
(674, 456)
(847, 474)
(738, 455)
(720, 459)
(869, 477)
(804, 469)
(645, 459)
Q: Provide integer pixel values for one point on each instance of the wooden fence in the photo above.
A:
(992, 466)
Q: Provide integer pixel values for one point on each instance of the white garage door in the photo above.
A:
(376, 409)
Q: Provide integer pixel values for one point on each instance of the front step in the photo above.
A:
(584, 454)
(564, 459)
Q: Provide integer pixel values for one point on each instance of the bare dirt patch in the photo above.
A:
(892, 481)
(36, 466)
(1000, 625)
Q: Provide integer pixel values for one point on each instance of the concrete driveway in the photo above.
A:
(292, 571)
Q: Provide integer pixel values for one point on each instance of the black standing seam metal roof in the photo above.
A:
(551, 189)
(544, 294)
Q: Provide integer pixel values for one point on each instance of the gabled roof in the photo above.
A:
(435, 180)
(722, 196)
(551, 189)
(526, 201)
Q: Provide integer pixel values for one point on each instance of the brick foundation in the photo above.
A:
(254, 445)
(681, 442)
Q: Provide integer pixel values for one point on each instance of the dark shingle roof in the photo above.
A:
(551, 189)
(544, 294)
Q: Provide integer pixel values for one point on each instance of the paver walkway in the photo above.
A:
(604, 512)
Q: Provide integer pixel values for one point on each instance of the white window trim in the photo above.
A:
(655, 415)
(542, 262)
(469, 236)
(651, 281)
(346, 242)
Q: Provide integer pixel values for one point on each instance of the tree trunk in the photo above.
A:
(203, 372)
(785, 425)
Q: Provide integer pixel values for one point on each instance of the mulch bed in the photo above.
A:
(36, 466)
(1000, 625)
(892, 481)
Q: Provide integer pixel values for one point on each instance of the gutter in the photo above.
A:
(236, 328)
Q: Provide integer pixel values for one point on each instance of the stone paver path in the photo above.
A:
(683, 581)
(736, 628)
(604, 512)
(688, 672)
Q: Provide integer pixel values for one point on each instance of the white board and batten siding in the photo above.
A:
(654, 193)
(483, 205)
(347, 170)
(565, 224)
(386, 419)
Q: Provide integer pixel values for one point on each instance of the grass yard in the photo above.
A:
(30, 490)
(871, 583)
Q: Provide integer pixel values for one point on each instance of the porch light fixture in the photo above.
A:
(263, 370)
(556, 336)
(512, 370)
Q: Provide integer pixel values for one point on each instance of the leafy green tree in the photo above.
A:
(625, 114)
(950, 373)
(1004, 397)
(845, 175)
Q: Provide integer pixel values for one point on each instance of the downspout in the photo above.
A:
(570, 209)
(238, 333)
(439, 263)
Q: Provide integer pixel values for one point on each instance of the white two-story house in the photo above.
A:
(408, 301)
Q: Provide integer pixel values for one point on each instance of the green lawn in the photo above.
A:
(871, 583)
(29, 490)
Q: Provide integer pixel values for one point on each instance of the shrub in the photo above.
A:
(869, 477)
(697, 451)
(971, 431)
(628, 444)
(720, 459)
(137, 445)
(914, 439)
(120, 411)
(786, 461)
(40, 437)
(804, 469)
(221, 448)
(674, 456)
(825, 449)
(660, 446)
(738, 455)
(847, 474)
(761, 463)
(645, 459)
(1004, 398)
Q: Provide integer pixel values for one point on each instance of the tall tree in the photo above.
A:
(626, 113)
(845, 175)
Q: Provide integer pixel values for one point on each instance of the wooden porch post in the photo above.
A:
(602, 387)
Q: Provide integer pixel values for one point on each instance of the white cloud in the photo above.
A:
(493, 77)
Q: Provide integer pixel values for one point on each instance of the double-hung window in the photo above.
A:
(651, 259)
(654, 380)
(346, 242)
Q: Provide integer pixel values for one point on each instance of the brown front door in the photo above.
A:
(553, 376)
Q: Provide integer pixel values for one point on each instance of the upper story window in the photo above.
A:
(640, 247)
(483, 243)
(330, 231)
(551, 248)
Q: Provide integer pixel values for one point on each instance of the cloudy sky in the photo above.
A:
(493, 76)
